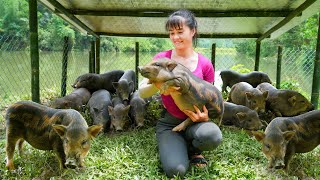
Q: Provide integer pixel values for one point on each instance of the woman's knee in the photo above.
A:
(213, 139)
(176, 170)
(208, 137)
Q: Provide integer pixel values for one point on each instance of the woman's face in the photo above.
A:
(181, 37)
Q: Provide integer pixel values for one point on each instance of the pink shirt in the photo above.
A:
(204, 70)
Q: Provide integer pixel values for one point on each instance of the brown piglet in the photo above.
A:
(285, 136)
(75, 100)
(186, 88)
(284, 102)
(244, 94)
(64, 131)
(254, 78)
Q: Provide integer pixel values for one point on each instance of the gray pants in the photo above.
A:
(176, 147)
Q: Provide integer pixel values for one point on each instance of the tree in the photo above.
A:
(303, 35)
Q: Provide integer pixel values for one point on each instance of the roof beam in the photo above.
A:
(293, 14)
(165, 13)
(63, 10)
(221, 36)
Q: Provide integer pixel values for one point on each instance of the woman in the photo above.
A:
(178, 149)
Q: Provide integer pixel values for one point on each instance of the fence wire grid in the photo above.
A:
(15, 79)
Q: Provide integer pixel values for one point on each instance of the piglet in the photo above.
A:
(285, 136)
(125, 86)
(284, 102)
(64, 131)
(254, 78)
(98, 106)
(75, 100)
(241, 116)
(137, 109)
(244, 94)
(119, 114)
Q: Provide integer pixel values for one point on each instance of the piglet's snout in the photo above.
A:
(279, 164)
(71, 163)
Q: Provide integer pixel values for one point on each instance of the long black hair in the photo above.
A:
(177, 18)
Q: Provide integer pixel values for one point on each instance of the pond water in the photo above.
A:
(15, 76)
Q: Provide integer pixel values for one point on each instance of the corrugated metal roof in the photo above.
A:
(216, 18)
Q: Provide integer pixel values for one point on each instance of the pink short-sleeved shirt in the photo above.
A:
(204, 70)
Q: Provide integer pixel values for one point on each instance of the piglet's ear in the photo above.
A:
(292, 100)
(60, 129)
(127, 108)
(241, 116)
(171, 65)
(258, 135)
(288, 135)
(67, 103)
(265, 94)
(110, 109)
(249, 95)
(94, 130)
(115, 84)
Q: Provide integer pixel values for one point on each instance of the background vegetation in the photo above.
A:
(14, 21)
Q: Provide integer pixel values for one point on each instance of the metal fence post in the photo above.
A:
(256, 64)
(316, 72)
(137, 64)
(278, 81)
(66, 49)
(92, 58)
(213, 56)
(90, 62)
(97, 56)
(34, 50)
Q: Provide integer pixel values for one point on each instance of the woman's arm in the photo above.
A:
(146, 90)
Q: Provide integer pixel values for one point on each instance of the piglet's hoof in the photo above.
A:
(179, 128)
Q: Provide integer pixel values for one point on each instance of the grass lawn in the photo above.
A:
(133, 155)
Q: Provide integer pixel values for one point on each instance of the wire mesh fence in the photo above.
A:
(15, 79)
(15, 70)
(297, 68)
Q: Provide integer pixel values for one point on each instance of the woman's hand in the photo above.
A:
(198, 116)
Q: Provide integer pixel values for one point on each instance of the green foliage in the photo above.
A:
(295, 86)
(15, 18)
(246, 47)
(308, 31)
(52, 32)
(292, 85)
(225, 95)
(303, 35)
(240, 69)
(128, 44)
(1, 25)
(153, 111)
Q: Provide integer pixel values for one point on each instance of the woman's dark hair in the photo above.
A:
(177, 18)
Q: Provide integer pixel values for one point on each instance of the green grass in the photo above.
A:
(134, 155)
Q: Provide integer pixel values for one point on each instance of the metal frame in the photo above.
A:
(293, 14)
(166, 12)
(70, 13)
(222, 36)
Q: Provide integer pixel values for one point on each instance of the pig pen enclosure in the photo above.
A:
(71, 38)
